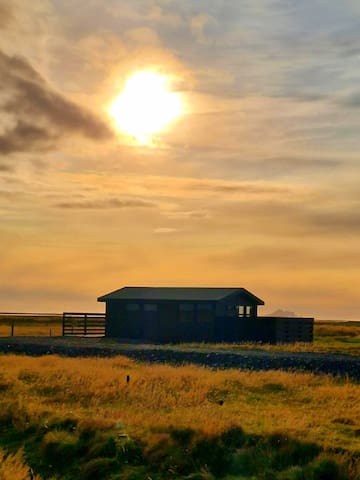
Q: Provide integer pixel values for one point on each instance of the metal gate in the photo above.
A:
(83, 324)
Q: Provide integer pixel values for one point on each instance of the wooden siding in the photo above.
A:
(173, 321)
(282, 330)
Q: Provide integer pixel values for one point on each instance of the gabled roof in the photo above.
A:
(197, 294)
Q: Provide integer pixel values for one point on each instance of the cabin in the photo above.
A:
(195, 314)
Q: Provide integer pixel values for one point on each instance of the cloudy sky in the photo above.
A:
(255, 184)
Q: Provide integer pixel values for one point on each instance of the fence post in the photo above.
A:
(85, 323)
(12, 327)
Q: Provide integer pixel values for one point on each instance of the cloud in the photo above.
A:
(6, 15)
(239, 187)
(24, 137)
(165, 230)
(289, 256)
(6, 168)
(39, 114)
(184, 187)
(352, 100)
(336, 222)
(199, 24)
(104, 204)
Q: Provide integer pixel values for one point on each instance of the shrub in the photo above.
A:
(234, 437)
(326, 469)
(212, 453)
(96, 469)
(288, 451)
(60, 448)
(182, 436)
(130, 452)
(104, 447)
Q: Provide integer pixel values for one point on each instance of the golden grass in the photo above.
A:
(33, 330)
(310, 407)
(13, 467)
(27, 325)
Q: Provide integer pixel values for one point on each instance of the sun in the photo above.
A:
(145, 106)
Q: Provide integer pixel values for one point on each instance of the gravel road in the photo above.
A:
(344, 365)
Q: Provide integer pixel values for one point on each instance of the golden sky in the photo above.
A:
(254, 184)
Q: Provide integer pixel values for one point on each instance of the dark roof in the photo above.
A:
(178, 294)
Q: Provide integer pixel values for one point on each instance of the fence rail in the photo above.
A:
(83, 324)
(30, 324)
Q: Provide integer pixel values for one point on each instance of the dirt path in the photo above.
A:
(243, 359)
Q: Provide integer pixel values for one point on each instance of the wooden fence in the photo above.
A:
(83, 324)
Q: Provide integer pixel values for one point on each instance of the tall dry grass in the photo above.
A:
(32, 330)
(310, 407)
(13, 467)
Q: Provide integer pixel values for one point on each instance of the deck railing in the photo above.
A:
(83, 324)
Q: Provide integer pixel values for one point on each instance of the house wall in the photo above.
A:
(114, 318)
(294, 329)
(257, 329)
(283, 329)
(122, 323)
(168, 324)
(178, 322)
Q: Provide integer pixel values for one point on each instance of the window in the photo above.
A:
(186, 307)
(132, 307)
(186, 312)
(244, 310)
(150, 307)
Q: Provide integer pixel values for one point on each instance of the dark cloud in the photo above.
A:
(41, 115)
(6, 168)
(104, 204)
(24, 137)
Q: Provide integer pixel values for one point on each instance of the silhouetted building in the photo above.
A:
(173, 314)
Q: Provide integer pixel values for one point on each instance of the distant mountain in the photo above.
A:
(283, 313)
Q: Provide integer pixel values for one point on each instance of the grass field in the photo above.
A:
(329, 337)
(71, 419)
(80, 418)
(30, 325)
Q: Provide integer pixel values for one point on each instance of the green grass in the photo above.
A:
(71, 448)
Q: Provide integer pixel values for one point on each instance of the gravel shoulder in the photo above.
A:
(334, 364)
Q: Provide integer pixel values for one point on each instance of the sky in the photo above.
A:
(254, 185)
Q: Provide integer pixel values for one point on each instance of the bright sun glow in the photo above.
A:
(145, 106)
